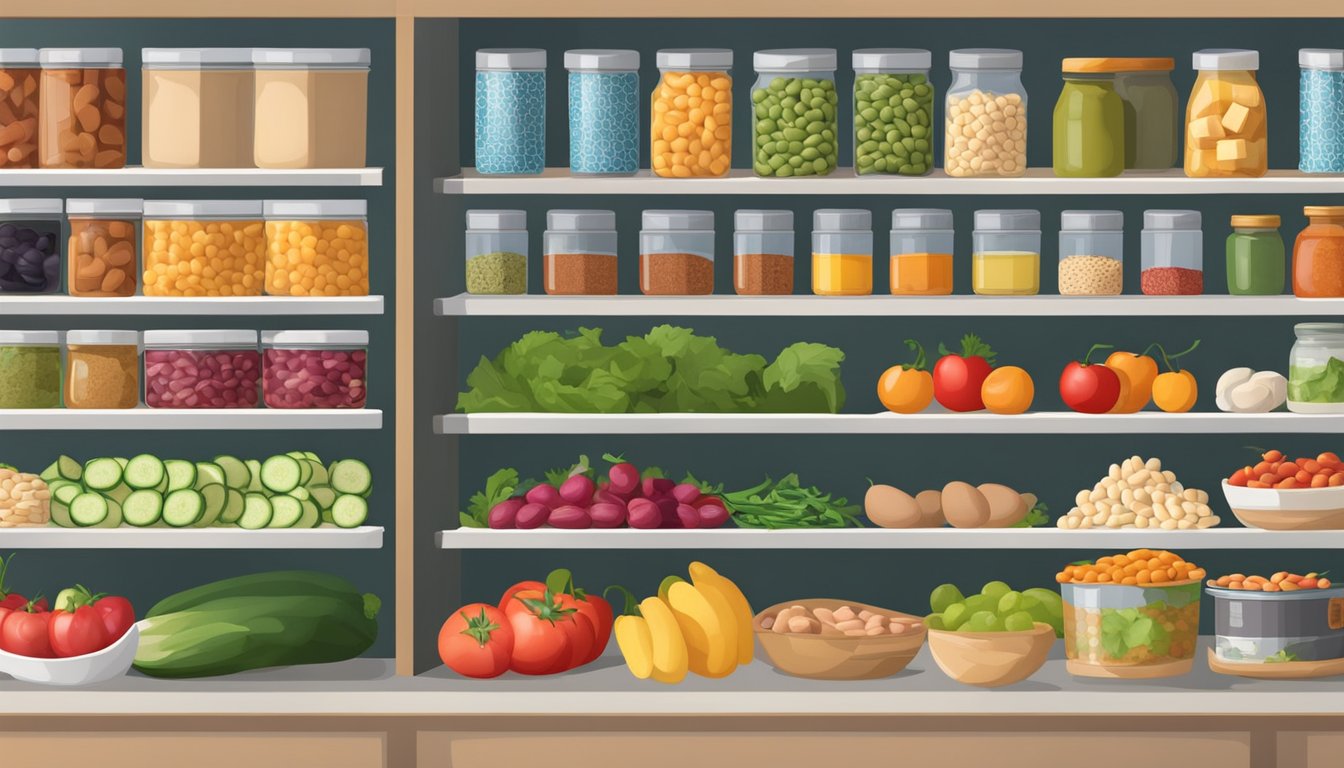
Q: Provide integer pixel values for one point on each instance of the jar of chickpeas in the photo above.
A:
(317, 247)
(205, 248)
(986, 114)
(692, 129)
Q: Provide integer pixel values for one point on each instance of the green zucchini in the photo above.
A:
(267, 584)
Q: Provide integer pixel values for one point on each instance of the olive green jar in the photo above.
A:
(1089, 138)
(1152, 113)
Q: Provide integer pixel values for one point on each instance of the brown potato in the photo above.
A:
(964, 505)
(1030, 500)
(891, 507)
(1005, 505)
(930, 509)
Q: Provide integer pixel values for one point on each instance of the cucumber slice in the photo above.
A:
(320, 475)
(281, 474)
(69, 469)
(88, 509)
(351, 476)
(312, 516)
(142, 508)
(236, 473)
(285, 512)
(349, 511)
(209, 473)
(121, 461)
(323, 495)
(181, 474)
(60, 514)
(66, 493)
(102, 474)
(233, 508)
(183, 508)
(300, 493)
(312, 456)
(216, 496)
(256, 512)
(145, 472)
(51, 473)
(114, 517)
(254, 477)
(119, 493)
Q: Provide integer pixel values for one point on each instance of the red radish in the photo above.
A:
(644, 514)
(705, 501)
(957, 379)
(688, 516)
(624, 478)
(712, 516)
(505, 513)
(577, 490)
(654, 487)
(607, 515)
(570, 516)
(685, 493)
(667, 507)
(532, 515)
(545, 494)
(608, 497)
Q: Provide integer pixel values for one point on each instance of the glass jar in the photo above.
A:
(1111, 613)
(986, 84)
(580, 253)
(1225, 120)
(842, 252)
(30, 245)
(510, 111)
(317, 247)
(83, 107)
(788, 143)
(1172, 260)
(1089, 138)
(1152, 113)
(210, 248)
(1318, 254)
(496, 252)
(102, 369)
(202, 369)
(1316, 369)
(103, 239)
(1321, 114)
(19, 76)
(1255, 257)
(893, 112)
(1091, 253)
(314, 369)
(763, 253)
(691, 133)
(197, 107)
(603, 112)
(676, 253)
(311, 107)
(921, 252)
(1006, 253)
(30, 369)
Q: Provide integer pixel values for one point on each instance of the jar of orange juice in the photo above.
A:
(692, 125)
(842, 252)
(1318, 254)
(921, 252)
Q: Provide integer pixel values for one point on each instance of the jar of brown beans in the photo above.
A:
(102, 253)
(18, 107)
(83, 108)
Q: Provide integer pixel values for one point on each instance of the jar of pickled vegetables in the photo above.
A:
(921, 252)
(1318, 254)
(692, 128)
(1152, 112)
(1006, 253)
(1314, 369)
(1140, 631)
(603, 112)
(893, 112)
(1225, 119)
(30, 369)
(842, 252)
(986, 114)
(1089, 139)
(763, 253)
(1255, 258)
(796, 108)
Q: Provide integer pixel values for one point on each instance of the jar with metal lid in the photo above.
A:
(763, 252)
(102, 369)
(1225, 119)
(30, 369)
(83, 107)
(19, 78)
(311, 107)
(1318, 253)
(103, 246)
(580, 253)
(842, 252)
(796, 108)
(986, 84)
(30, 245)
(1006, 253)
(676, 253)
(1316, 369)
(1321, 111)
(511, 111)
(197, 110)
(1255, 257)
(209, 248)
(921, 252)
(893, 111)
(1172, 258)
(315, 369)
(1152, 112)
(604, 103)
(496, 252)
(202, 369)
(1089, 138)
(1091, 253)
(317, 247)
(692, 127)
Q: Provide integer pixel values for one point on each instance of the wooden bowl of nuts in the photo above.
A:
(838, 639)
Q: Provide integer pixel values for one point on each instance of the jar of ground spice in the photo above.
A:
(1172, 253)
(496, 252)
(1318, 254)
(763, 253)
(102, 369)
(580, 253)
(30, 369)
(676, 253)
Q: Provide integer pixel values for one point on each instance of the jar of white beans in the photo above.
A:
(986, 114)
(314, 369)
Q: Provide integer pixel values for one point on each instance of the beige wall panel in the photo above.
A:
(192, 750)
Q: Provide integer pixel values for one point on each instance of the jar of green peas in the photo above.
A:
(795, 106)
(893, 112)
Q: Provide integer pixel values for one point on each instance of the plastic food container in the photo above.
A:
(692, 130)
(314, 369)
(496, 252)
(604, 110)
(317, 247)
(842, 252)
(1321, 112)
(1152, 113)
(1006, 253)
(197, 107)
(30, 245)
(1172, 262)
(511, 110)
(921, 252)
(1225, 119)
(1314, 365)
(102, 369)
(787, 142)
(763, 253)
(30, 369)
(19, 77)
(1089, 138)
(103, 240)
(580, 253)
(1273, 629)
(83, 106)
(311, 107)
(1255, 257)
(893, 111)
(201, 369)
(1091, 253)
(1318, 253)
(986, 83)
(676, 253)
(1113, 630)
(204, 248)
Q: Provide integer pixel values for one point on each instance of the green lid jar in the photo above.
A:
(30, 369)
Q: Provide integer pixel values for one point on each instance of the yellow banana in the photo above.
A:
(702, 574)
(670, 657)
(709, 627)
(636, 644)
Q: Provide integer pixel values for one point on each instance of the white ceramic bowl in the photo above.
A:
(113, 661)
(1291, 509)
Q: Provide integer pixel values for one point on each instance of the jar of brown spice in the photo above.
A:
(580, 253)
(676, 253)
(763, 253)
(102, 369)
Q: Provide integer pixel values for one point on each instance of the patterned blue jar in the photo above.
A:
(1321, 129)
(510, 111)
(603, 111)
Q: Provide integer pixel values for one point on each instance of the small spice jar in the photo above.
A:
(102, 369)
(580, 253)
(317, 247)
(314, 369)
(496, 252)
(1321, 114)
(30, 369)
(921, 252)
(1314, 367)
(18, 119)
(676, 253)
(30, 245)
(763, 253)
(511, 111)
(1318, 254)
(1006, 253)
(1091, 253)
(692, 128)
(1255, 257)
(1172, 254)
(842, 252)
(604, 103)
(83, 108)
(103, 239)
(201, 369)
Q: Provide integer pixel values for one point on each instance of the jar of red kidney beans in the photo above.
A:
(202, 369)
(314, 369)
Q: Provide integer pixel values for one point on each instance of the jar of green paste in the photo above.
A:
(30, 369)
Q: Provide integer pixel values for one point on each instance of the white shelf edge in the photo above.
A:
(242, 306)
(326, 537)
(188, 419)
(191, 177)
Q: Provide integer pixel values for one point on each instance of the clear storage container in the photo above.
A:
(311, 107)
(1172, 254)
(1089, 138)
(763, 253)
(1321, 111)
(986, 114)
(19, 78)
(921, 252)
(676, 253)
(580, 253)
(209, 248)
(1225, 119)
(692, 125)
(317, 247)
(30, 245)
(103, 240)
(604, 103)
(314, 369)
(102, 369)
(510, 110)
(30, 369)
(1091, 253)
(83, 107)
(893, 111)
(1318, 253)
(1117, 630)
(197, 107)
(842, 252)
(1152, 113)
(789, 142)
(1314, 365)
(1255, 257)
(1006, 253)
(496, 252)
(202, 369)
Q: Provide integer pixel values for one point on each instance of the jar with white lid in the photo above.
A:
(1313, 365)
(1225, 121)
(314, 369)
(30, 369)
(921, 252)
(19, 90)
(1321, 111)
(496, 252)
(1172, 256)
(691, 134)
(511, 111)
(604, 103)
(103, 246)
(986, 114)
(317, 247)
(205, 248)
(1006, 253)
(311, 107)
(763, 252)
(842, 252)
(1091, 253)
(30, 245)
(676, 253)
(102, 369)
(83, 108)
(893, 112)
(202, 369)
(197, 107)
(580, 253)
(788, 142)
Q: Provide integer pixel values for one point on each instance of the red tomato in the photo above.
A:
(26, 633)
(530, 586)
(602, 614)
(1089, 387)
(541, 646)
(77, 633)
(957, 379)
(477, 641)
(13, 600)
(117, 615)
(579, 627)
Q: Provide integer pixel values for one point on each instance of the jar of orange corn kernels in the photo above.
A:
(317, 248)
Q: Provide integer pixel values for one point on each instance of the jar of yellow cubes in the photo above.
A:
(204, 248)
(1225, 120)
(317, 248)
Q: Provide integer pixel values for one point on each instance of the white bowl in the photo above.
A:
(112, 661)
(1289, 509)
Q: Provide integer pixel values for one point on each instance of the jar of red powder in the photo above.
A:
(201, 369)
(314, 369)
(1172, 262)
(1318, 254)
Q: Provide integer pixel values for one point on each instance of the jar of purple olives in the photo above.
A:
(202, 369)
(314, 369)
(30, 245)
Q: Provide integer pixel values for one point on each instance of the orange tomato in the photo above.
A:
(905, 390)
(1137, 374)
(1008, 390)
(1175, 391)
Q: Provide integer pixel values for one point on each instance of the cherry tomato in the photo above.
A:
(477, 641)
(541, 646)
(1089, 387)
(77, 633)
(117, 615)
(26, 632)
(958, 379)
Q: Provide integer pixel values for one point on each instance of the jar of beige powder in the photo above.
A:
(311, 107)
(197, 107)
